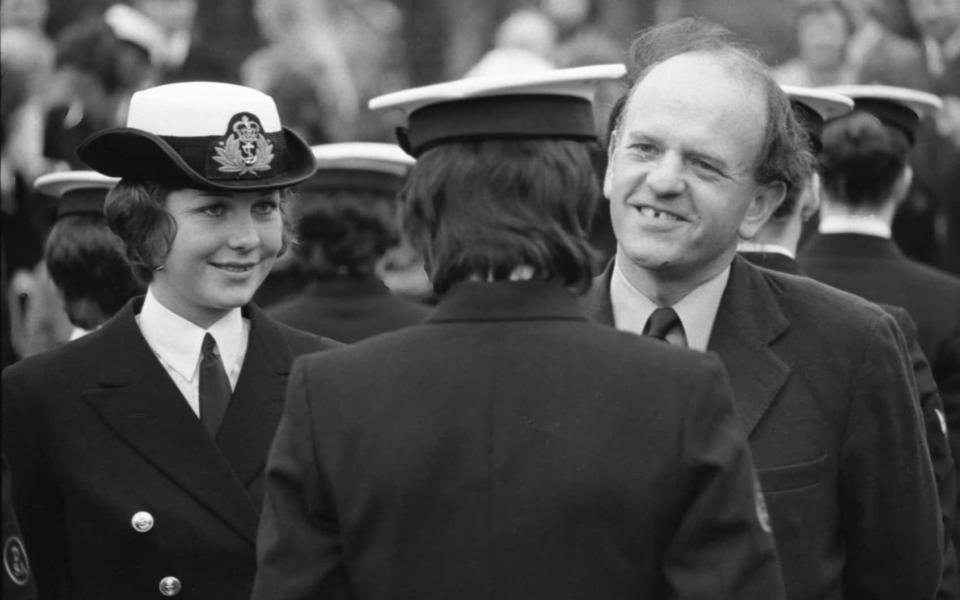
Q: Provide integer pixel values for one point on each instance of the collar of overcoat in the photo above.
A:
(140, 402)
(749, 322)
(507, 301)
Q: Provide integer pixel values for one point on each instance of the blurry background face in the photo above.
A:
(29, 14)
(822, 38)
(938, 19)
(172, 15)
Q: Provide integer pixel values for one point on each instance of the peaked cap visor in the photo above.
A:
(128, 152)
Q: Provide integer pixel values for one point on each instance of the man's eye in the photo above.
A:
(644, 150)
(702, 165)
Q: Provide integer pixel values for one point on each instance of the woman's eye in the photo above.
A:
(266, 207)
(213, 210)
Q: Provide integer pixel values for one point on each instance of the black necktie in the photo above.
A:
(214, 386)
(660, 322)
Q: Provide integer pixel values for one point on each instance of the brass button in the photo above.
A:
(142, 521)
(170, 586)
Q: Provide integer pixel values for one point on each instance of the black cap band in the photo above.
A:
(507, 116)
(891, 114)
(82, 201)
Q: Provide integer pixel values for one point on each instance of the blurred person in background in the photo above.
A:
(85, 259)
(526, 42)
(176, 19)
(938, 147)
(303, 53)
(822, 30)
(101, 62)
(865, 173)
(880, 55)
(347, 217)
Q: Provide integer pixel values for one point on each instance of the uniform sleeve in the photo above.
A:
(298, 543)
(36, 499)
(723, 547)
(888, 495)
(941, 457)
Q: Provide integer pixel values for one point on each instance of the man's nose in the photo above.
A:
(666, 175)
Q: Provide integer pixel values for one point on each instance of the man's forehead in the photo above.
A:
(697, 82)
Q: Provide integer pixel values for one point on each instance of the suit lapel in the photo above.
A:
(257, 402)
(748, 322)
(139, 401)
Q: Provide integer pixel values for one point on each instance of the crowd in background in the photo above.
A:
(70, 67)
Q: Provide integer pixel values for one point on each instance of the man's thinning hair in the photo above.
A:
(784, 155)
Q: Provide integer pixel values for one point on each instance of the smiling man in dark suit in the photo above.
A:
(703, 153)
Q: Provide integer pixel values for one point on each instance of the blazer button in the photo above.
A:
(170, 586)
(142, 521)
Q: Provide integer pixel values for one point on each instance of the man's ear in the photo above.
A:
(810, 199)
(901, 186)
(608, 172)
(765, 200)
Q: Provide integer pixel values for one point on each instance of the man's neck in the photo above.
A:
(665, 286)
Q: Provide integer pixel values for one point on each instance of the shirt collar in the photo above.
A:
(864, 225)
(697, 310)
(767, 248)
(177, 341)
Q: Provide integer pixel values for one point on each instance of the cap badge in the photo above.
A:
(244, 149)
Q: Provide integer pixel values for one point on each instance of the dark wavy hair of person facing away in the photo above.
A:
(483, 208)
(862, 159)
(136, 212)
(345, 231)
(87, 264)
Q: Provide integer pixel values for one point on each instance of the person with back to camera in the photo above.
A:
(346, 221)
(866, 173)
(704, 151)
(507, 447)
(137, 451)
(85, 259)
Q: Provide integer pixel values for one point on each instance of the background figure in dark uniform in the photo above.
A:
(18, 581)
(346, 216)
(775, 247)
(84, 258)
(137, 451)
(508, 448)
(820, 377)
(865, 173)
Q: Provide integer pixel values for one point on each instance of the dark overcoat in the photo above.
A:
(97, 432)
(508, 448)
(347, 309)
(826, 395)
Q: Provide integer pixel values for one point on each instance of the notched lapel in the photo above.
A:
(139, 401)
(748, 322)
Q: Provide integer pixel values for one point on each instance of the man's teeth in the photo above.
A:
(657, 214)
